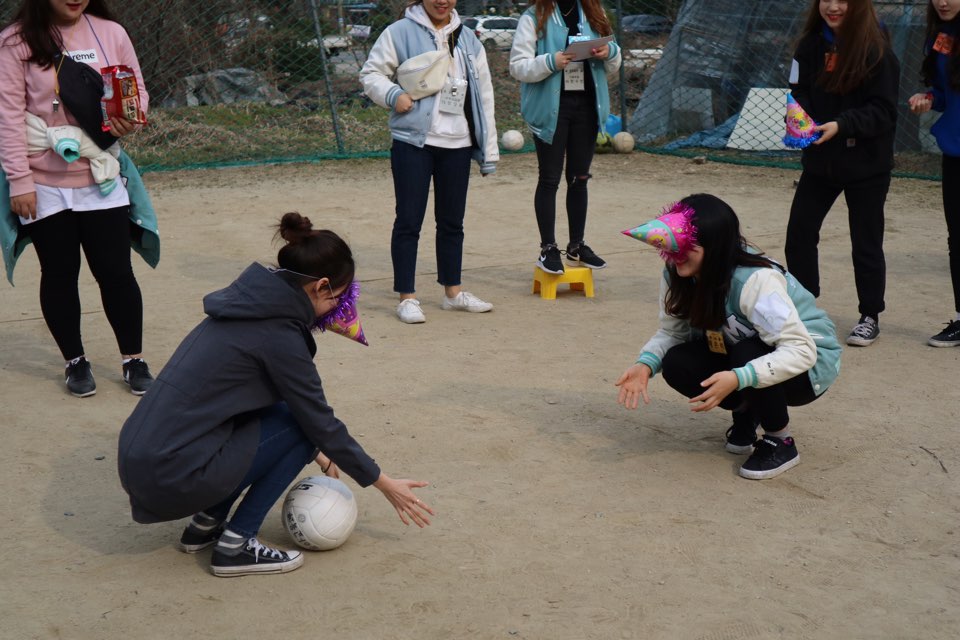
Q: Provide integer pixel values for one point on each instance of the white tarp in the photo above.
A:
(760, 126)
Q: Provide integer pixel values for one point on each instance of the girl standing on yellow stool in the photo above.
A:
(564, 102)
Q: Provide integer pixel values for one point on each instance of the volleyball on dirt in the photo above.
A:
(623, 142)
(319, 513)
(512, 140)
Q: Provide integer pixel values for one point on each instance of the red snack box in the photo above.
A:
(121, 96)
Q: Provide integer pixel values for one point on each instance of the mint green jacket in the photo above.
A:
(14, 237)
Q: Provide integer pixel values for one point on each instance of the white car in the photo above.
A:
(493, 31)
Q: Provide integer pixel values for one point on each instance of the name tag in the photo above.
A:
(574, 77)
(829, 61)
(943, 43)
(715, 342)
(453, 96)
(88, 55)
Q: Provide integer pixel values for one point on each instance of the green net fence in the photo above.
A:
(259, 81)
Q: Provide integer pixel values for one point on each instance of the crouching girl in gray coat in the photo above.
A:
(240, 406)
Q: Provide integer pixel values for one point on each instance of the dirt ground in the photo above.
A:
(561, 515)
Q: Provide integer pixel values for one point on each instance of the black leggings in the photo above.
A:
(951, 210)
(105, 238)
(575, 138)
(686, 365)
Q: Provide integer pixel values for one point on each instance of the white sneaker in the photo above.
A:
(466, 301)
(409, 311)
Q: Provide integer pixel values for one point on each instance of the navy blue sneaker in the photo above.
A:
(771, 457)
(949, 337)
(79, 378)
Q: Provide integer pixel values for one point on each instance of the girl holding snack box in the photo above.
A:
(65, 184)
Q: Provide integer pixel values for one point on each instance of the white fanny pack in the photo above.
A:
(423, 75)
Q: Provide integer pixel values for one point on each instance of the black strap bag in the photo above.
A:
(81, 89)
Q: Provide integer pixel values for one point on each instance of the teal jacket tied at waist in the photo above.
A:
(145, 238)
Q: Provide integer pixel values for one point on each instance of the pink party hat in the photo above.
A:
(673, 232)
(345, 320)
(801, 129)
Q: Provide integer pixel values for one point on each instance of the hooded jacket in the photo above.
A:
(407, 38)
(194, 434)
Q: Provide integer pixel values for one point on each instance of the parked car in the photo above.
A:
(494, 31)
(646, 23)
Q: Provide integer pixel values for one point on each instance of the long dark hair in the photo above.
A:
(928, 70)
(860, 44)
(591, 9)
(314, 253)
(38, 30)
(702, 299)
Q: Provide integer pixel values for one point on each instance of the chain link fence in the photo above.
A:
(257, 81)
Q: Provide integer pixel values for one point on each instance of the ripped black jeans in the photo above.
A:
(576, 138)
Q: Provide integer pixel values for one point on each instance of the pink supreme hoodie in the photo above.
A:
(29, 88)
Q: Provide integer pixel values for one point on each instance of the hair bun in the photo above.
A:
(294, 227)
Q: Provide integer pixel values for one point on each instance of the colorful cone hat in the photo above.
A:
(801, 129)
(345, 320)
(673, 232)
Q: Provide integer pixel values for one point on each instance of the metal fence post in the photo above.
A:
(326, 77)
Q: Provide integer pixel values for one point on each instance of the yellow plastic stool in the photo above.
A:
(579, 279)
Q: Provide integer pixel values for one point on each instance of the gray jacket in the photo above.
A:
(194, 434)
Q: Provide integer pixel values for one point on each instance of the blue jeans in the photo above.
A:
(283, 452)
(413, 169)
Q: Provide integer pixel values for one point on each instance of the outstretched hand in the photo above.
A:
(718, 386)
(409, 507)
(633, 386)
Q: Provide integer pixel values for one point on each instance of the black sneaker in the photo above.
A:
(743, 434)
(949, 337)
(771, 457)
(549, 259)
(581, 254)
(252, 558)
(137, 375)
(79, 378)
(865, 333)
(202, 532)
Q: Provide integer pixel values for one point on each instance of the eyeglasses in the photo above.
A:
(337, 298)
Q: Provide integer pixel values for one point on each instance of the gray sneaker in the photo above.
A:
(252, 558)
(865, 333)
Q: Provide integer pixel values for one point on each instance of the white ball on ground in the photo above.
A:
(319, 513)
(623, 142)
(511, 140)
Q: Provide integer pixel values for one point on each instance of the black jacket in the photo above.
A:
(193, 436)
(867, 116)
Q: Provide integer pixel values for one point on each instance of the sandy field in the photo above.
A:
(560, 515)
